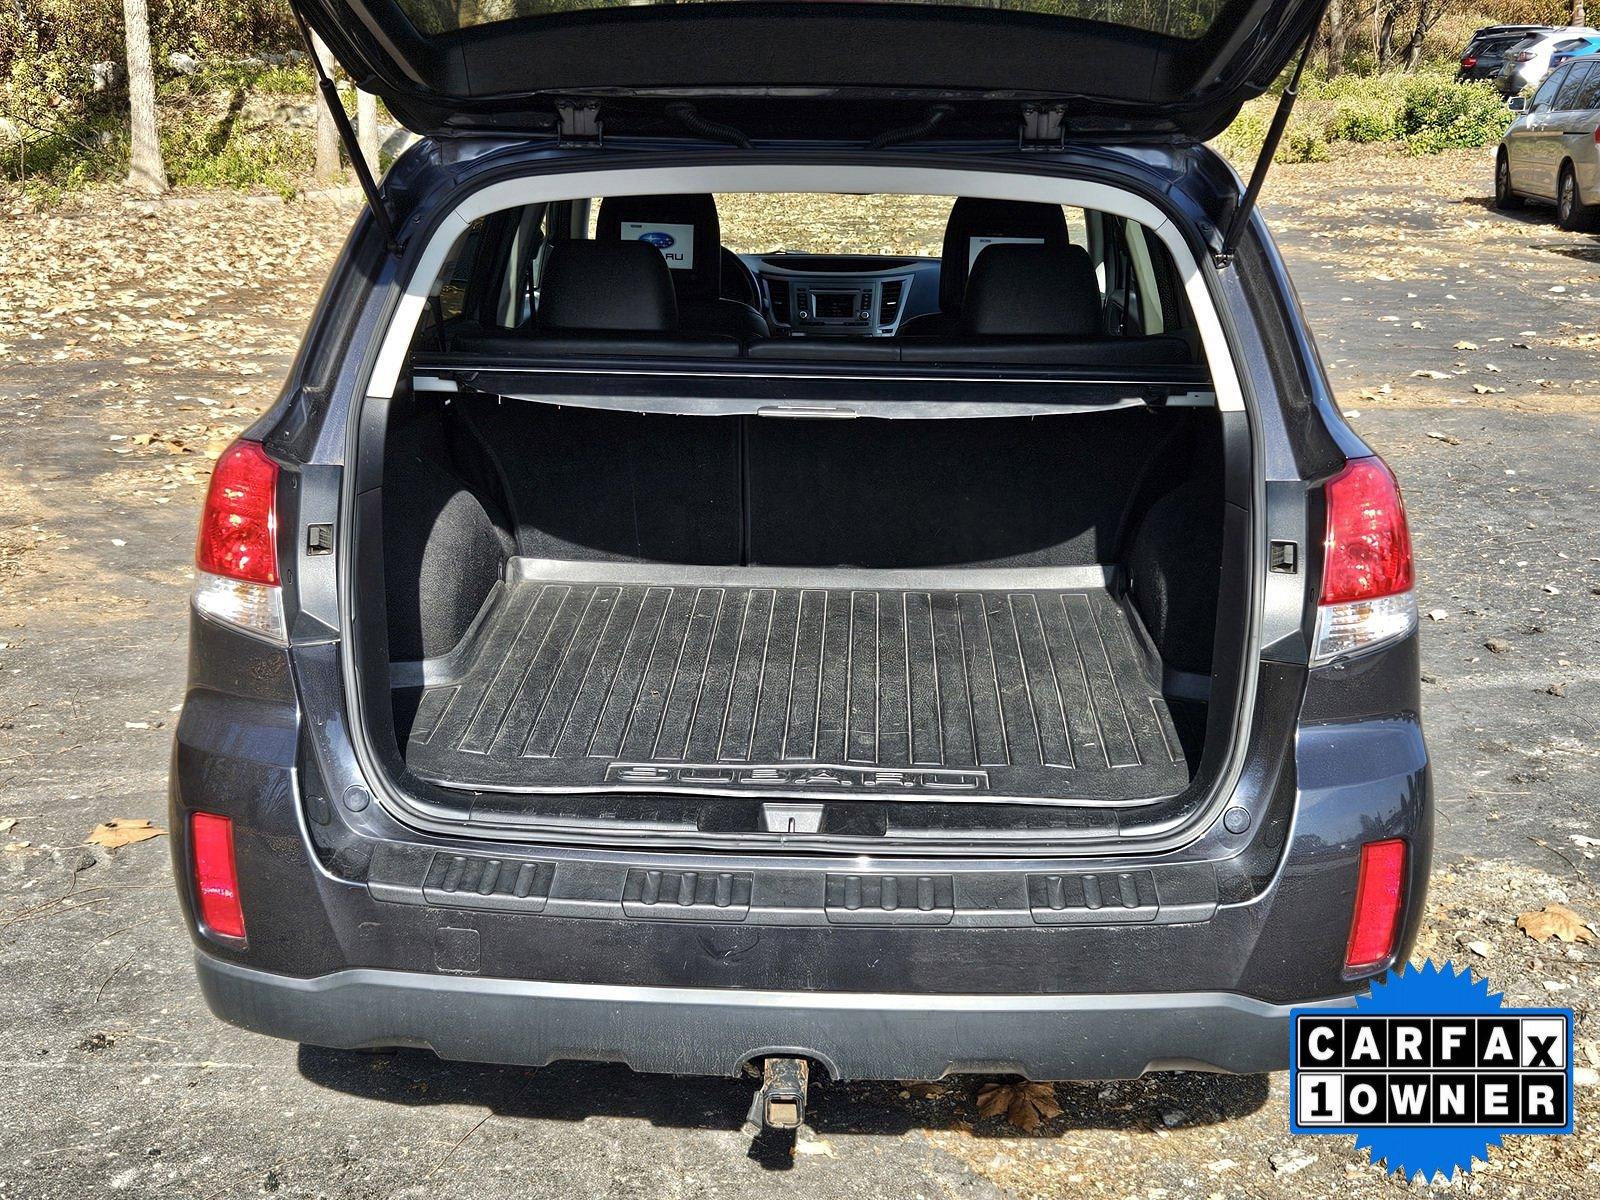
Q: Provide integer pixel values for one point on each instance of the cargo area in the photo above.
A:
(998, 615)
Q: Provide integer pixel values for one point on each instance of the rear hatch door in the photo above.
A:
(1178, 67)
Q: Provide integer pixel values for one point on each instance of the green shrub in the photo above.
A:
(1357, 120)
(1426, 113)
(1241, 141)
(207, 144)
(1437, 115)
(1301, 146)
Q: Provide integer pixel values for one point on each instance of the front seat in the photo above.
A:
(703, 277)
(973, 217)
(1040, 305)
(604, 298)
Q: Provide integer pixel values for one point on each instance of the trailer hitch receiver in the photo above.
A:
(780, 1101)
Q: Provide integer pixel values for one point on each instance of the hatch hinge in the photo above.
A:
(1238, 219)
(1044, 127)
(347, 137)
(578, 123)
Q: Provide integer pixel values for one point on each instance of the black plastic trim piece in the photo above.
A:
(890, 899)
(479, 881)
(687, 895)
(711, 1031)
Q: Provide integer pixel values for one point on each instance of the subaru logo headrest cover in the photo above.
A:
(676, 242)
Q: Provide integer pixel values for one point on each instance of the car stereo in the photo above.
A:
(833, 308)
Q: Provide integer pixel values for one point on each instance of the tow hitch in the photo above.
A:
(780, 1101)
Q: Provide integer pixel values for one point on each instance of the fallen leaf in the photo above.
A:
(1497, 646)
(7, 824)
(814, 1146)
(1466, 345)
(1024, 1105)
(1556, 921)
(1430, 375)
(1449, 439)
(123, 831)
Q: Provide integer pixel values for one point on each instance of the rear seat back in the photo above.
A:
(604, 298)
(1029, 305)
(1039, 305)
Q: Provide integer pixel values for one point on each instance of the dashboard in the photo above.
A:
(843, 295)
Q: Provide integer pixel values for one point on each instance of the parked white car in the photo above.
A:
(1552, 150)
(1528, 62)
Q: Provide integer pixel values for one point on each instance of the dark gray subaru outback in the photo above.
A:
(618, 644)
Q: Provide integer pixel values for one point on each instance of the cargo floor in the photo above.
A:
(1016, 684)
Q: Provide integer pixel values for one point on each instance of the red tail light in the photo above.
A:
(1367, 551)
(216, 875)
(1469, 63)
(1379, 891)
(239, 527)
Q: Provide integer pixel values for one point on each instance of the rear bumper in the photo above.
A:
(710, 1031)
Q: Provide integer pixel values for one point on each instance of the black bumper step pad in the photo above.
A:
(1000, 693)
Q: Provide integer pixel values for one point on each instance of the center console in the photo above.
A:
(843, 295)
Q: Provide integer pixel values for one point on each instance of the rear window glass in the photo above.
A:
(1589, 97)
(1570, 90)
(1176, 18)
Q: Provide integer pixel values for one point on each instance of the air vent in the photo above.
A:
(889, 301)
(778, 299)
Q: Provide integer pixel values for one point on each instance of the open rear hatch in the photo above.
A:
(1123, 66)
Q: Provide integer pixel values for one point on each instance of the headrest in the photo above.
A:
(1032, 291)
(686, 230)
(975, 218)
(616, 286)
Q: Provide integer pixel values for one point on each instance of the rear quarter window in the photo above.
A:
(1546, 95)
(1589, 96)
(1572, 89)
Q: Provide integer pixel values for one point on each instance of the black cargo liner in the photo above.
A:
(1007, 684)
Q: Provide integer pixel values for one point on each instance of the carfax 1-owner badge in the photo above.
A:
(1429, 1070)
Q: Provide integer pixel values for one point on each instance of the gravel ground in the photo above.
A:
(136, 338)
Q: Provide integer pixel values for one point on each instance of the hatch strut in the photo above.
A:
(347, 135)
(1240, 217)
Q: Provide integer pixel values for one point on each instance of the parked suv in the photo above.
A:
(1485, 53)
(828, 653)
(1527, 63)
(1552, 150)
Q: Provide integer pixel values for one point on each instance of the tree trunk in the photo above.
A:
(1336, 38)
(1414, 49)
(146, 169)
(367, 128)
(329, 166)
(1428, 14)
(1386, 39)
(1577, 16)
